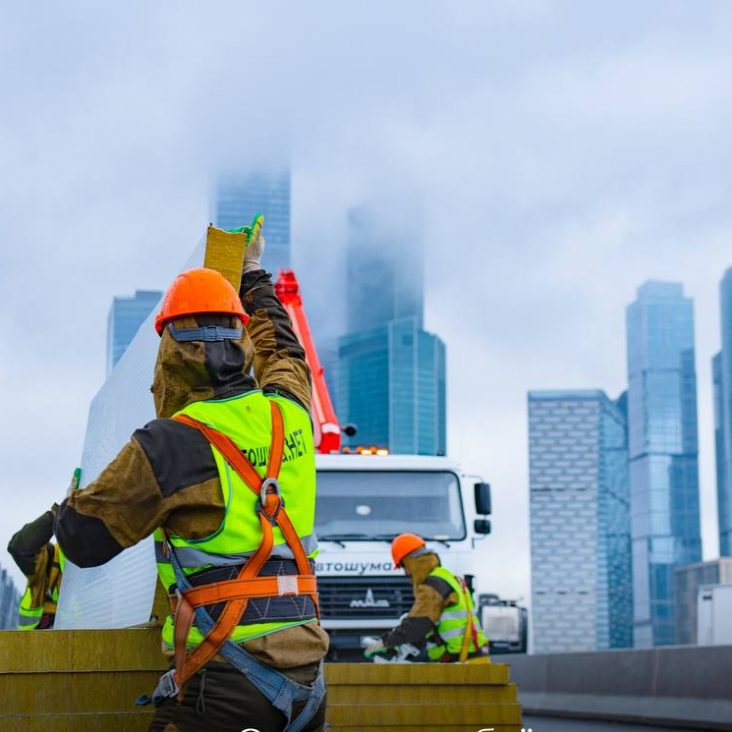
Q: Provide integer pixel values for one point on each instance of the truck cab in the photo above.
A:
(363, 502)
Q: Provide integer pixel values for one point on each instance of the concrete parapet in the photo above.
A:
(685, 686)
(88, 680)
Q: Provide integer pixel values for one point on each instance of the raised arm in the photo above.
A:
(279, 362)
(32, 550)
(166, 468)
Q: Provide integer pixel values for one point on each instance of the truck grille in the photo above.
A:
(364, 597)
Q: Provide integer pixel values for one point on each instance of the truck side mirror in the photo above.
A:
(482, 526)
(483, 499)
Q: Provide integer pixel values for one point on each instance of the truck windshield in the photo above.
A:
(369, 505)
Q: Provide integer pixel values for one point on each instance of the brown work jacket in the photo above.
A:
(165, 476)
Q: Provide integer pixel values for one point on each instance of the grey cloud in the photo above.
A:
(564, 153)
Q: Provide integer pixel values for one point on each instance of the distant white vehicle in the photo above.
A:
(714, 615)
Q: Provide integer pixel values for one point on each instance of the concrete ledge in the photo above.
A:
(685, 686)
(682, 712)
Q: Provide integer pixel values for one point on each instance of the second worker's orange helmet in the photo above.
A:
(403, 545)
(197, 292)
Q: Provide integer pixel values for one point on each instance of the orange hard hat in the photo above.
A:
(403, 545)
(197, 292)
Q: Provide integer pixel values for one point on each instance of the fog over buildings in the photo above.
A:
(562, 152)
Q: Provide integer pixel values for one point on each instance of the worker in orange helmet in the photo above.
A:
(442, 618)
(224, 479)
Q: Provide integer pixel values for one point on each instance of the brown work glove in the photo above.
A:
(28, 542)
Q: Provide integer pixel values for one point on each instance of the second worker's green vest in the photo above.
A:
(30, 616)
(453, 623)
(247, 420)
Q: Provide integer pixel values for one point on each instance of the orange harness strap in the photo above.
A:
(235, 589)
(237, 592)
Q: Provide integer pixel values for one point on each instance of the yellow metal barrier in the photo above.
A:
(84, 680)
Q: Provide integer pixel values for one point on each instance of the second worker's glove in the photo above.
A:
(375, 650)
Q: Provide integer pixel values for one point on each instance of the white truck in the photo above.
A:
(366, 500)
(714, 615)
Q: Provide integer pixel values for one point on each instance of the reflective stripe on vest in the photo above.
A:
(453, 621)
(247, 421)
(192, 558)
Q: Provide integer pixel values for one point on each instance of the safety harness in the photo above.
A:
(190, 602)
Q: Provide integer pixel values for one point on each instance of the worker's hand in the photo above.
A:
(26, 543)
(375, 650)
(255, 245)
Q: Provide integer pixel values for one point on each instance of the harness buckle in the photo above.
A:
(267, 485)
(166, 688)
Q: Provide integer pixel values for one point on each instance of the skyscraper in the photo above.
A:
(239, 196)
(126, 316)
(724, 490)
(664, 475)
(580, 526)
(383, 265)
(722, 378)
(391, 385)
(391, 372)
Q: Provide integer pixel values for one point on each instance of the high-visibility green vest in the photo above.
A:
(454, 621)
(29, 616)
(247, 420)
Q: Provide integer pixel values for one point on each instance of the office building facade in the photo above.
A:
(391, 385)
(579, 519)
(239, 196)
(126, 316)
(663, 444)
(722, 379)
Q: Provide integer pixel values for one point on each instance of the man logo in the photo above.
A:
(370, 601)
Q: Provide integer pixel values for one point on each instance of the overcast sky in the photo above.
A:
(564, 151)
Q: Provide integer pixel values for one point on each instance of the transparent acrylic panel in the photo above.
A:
(120, 593)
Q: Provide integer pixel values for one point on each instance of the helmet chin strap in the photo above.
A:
(209, 333)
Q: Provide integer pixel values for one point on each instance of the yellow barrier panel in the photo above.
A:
(88, 680)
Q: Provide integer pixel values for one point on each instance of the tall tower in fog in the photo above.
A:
(239, 195)
(391, 372)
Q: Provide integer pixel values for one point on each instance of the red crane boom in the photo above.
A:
(327, 429)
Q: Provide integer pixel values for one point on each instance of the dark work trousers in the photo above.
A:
(221, 699)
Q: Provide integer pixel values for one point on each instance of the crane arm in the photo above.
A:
(327, 429)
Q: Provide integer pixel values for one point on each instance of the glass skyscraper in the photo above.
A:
(664, 474)
(580, 525)
(391, 385)
(239, 196)
(391, 372)
(722, 378)
(126, 316)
